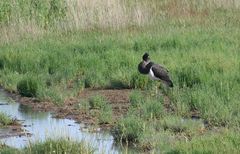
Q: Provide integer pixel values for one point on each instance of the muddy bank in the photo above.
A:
(11, 131)
(119, 100)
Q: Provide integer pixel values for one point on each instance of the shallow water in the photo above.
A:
(42, 126)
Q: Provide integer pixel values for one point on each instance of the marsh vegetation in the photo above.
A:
(53, 49)
(51, 146)
(5, 120)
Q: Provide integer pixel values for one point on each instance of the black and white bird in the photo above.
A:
(154, 71)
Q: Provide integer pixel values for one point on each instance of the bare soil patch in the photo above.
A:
(118, 98)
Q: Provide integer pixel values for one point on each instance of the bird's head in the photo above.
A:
(146, 57)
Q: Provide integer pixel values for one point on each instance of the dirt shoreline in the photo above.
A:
(118, 98)
(12, 131)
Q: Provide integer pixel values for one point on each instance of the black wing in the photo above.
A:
(162, 73)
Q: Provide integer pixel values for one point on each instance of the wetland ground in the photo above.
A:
(80, 60)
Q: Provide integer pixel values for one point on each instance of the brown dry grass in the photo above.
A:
(111, 14)
(106, 13)
(17, 31)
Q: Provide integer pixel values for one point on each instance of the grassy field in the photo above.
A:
(53, 49)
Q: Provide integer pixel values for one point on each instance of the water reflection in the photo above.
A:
(27, 113)
(42, 126)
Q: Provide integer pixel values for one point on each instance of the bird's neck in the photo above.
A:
(142, 67)
(146, 61)
(148, 65)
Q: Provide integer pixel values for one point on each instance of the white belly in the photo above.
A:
(151, 75)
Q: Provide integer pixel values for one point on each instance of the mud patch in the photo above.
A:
(11, 131)
(119, 100)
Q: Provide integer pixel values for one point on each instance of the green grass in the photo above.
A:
(179, 125)
(5, 120)
(197, 41)
(27, 87)
(222, 142)
(128, 129)
(97, 107)
(51, 146)
(59, 146)
(8, 150)
(146, 107)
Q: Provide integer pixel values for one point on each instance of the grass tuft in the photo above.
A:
(27, 87)
(98, 107)
(5, 119)
(128, 129)
(97, 102)
(59, 146)
(139, 81)
(51, 146)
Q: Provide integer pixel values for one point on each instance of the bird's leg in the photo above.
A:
(156, 89)
(164, 88)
